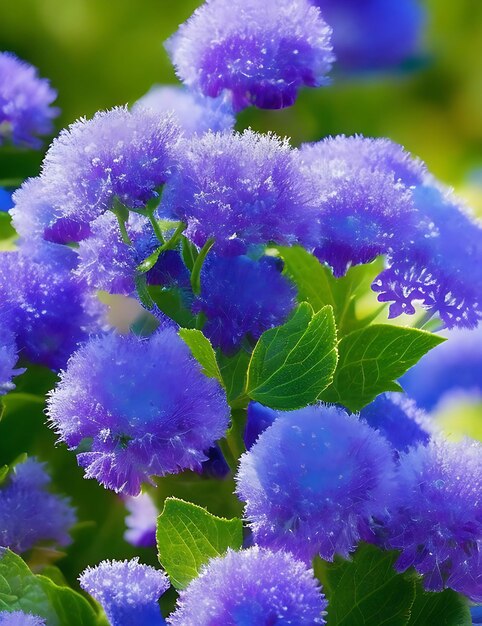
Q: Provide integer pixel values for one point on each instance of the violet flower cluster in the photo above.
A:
(19, 618)
(30, 514)
(25, 103)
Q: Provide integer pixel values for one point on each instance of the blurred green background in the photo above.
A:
(99, 53)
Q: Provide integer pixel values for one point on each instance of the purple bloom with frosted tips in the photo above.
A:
(194, 113)
(29, 513)
(118, 154)
(47, 308)
(241, 297)
(398, 419)
(141, 521)
(442, 267)
(258, 419)
(363, 200)
(239, 189)
(254, 586)
(127, 590)
(373, 34)
(263, 56)
(25, 100)
(19, 618)
(8, 355)
(313, 480)
(453, 367)
(436, 518)
(145, 405)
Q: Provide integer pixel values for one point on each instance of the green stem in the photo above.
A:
(171, 243)
(122, 214)
(155, 226)
(143, 292)
(424, 319)
(235, 435)
(228, 455)
(198, 263)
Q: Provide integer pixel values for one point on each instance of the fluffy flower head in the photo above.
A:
(436, 515)
(141, 521)
(25, 100)
(19, 618)
(312, 481)
(262, 57)
(127, 590)
(145, 404)
(254, 586)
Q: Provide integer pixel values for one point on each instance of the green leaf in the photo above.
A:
(292, 364)
(202, 351)
(21, 590)
(234, 369)
(354, 303)
(366, 591)
(188, 536)
(371, 359)
(447, 608)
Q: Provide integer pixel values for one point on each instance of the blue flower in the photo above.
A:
(19, 618)
(435, 515)
(258, 419)
(194, 113)
(261, 52)
(8, 355)
(398, 419)
(6, 201)
(144, 404)
(254, 586)
(127, 590)
(29, 513)
(242, 298)
(239, 189)
(25, 100)
(313, 480)
(373, 34)
(141, 521)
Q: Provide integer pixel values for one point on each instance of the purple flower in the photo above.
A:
(19, 618)
(262, 52)
(46, 307)
(141, 521)
(436, 518)
(118, 154)
(442, 267)
(29, 513)
(254, 586)
(127, 590)
(239, 189)
(363, 200)
(194, 113)
(144, 404)
(8, 355)
(453, 367)
(312, 481)
(373, 34)
(398, 419)
(25, 100)
(259, 417)
(242, 298)
(6, 202)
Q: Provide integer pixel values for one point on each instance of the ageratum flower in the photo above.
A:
(118, 154)
(127, 590)
(144, 404)
(242, 298)
(8, 355)
(6, 202)
(254, 586)
(239, 189)
(47, 308)
(258, 419)
(453, 367)
(362, 198)
(141, 521)
(262, 57)
(25, 100)
(29, 513)
(373, 34)
(398, 419)
(442, 266)
(19, 618)
(312, 481)
(194, 113)
(435, 515)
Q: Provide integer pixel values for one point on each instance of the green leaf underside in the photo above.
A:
(371, 359)
(447, 608)
(188, 536)
(233, 369)
(21, 590)
(292, 364)
(202, 351)
(367, 591)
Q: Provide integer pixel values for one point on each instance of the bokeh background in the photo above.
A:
(101, 53)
